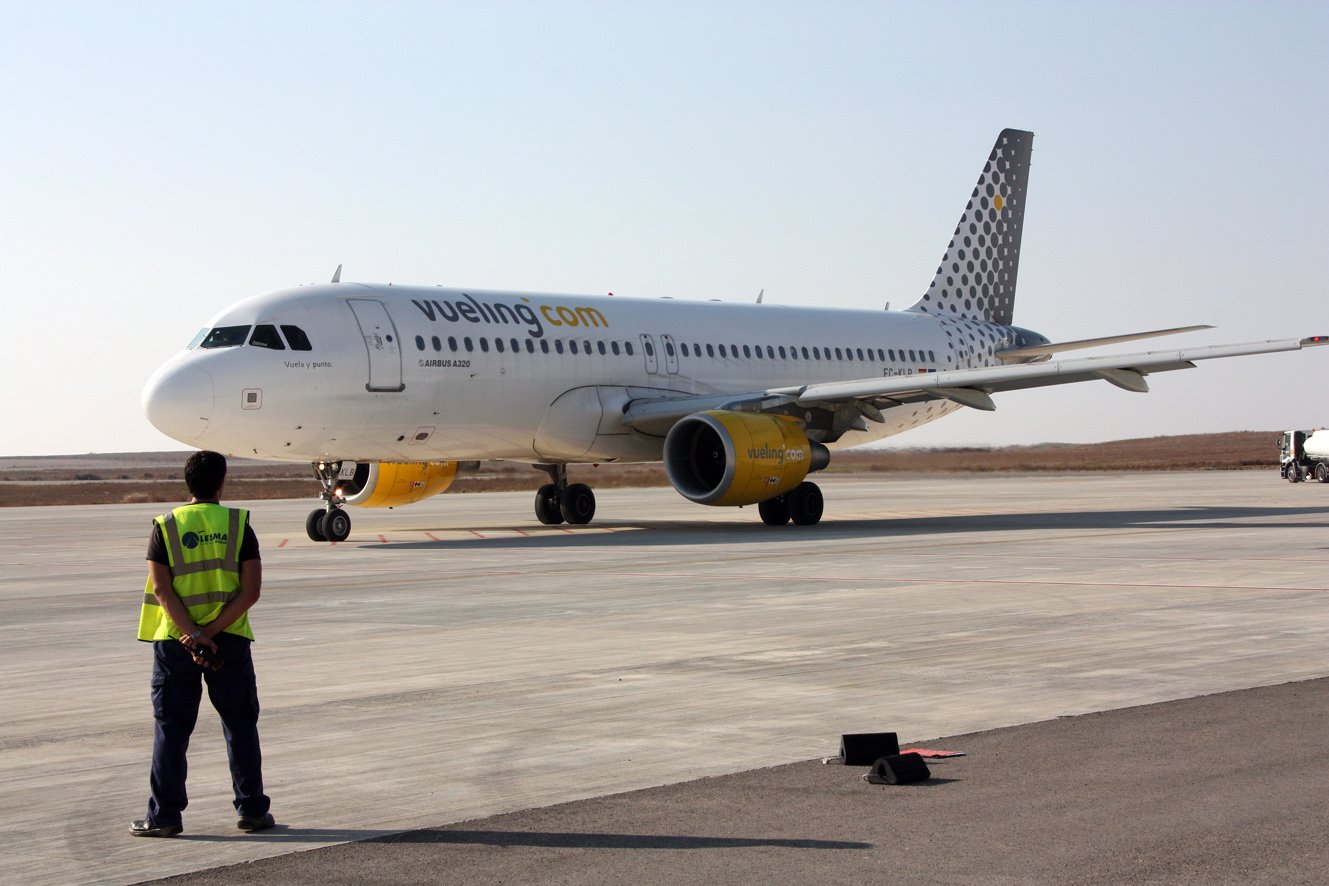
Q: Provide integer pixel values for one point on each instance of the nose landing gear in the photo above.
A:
(329, 523)
(559, 501)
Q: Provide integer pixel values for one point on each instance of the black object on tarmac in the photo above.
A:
(865, 748)
(899, 769)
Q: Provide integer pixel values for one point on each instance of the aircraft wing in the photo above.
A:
(969, 387)
(973, 387)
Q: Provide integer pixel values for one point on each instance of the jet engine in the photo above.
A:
(739, 458)
(389, 484)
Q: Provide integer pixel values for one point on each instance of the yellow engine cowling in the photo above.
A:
(739, 458)
(390, 484)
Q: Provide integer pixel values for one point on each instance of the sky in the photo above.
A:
(159, 161)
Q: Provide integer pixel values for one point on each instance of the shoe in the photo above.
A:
(145, 828)
(253, 823)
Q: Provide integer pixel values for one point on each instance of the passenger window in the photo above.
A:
(669, 347)
(890, 352)
(297, 338)
(650, 351)
(544, 345)
(747, 352)
(558, 345)
(452, 343)
(723, 353)
(600, 346)
(484, 344)
(498, 345)
(516, 346)
(572, 346)
(420, 342)
(613, 346)
(468, 344)
(438, 345)
(530, 346)
(710, 350)
(628, 347)
(225, 337)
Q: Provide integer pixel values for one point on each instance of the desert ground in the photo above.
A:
(141, 477)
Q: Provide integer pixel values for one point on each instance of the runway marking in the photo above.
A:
(858, 580)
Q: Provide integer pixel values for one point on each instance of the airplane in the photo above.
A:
(389, 391)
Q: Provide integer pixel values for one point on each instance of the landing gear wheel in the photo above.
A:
(314, 525)
(806, 504)
(547, 505)
(1322, 473)
(774, 511)
(336, 525)
(578, 504)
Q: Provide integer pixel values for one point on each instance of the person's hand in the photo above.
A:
(198, 647)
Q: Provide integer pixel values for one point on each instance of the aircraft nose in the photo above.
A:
(178, 400)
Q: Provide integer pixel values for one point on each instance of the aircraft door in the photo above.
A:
(381, 343)
(648, 351)
(671, 353)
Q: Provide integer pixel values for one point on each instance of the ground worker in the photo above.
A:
(204, 574)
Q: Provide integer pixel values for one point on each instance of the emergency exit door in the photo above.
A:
(380, 338)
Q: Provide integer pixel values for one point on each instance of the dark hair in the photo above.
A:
(204, 473)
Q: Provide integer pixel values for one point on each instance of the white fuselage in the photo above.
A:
(398, 374)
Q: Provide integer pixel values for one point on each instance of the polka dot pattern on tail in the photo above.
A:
(976, 277)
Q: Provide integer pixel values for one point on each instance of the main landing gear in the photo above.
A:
(329, 523)
(559, 501)
(803, 504)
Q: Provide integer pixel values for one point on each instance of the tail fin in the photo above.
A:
(976, 279)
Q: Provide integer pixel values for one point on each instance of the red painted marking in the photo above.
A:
(283, 543)
(938, 755)
(522, 532)
(477, 534)
(433, 536)
(383, 539)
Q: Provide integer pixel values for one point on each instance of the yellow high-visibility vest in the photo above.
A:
(203, 547)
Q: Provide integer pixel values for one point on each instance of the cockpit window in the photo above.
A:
(266, 336)
(299, 341)
(225, 337)
(197, 339)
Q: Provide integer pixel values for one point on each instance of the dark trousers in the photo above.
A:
(176, 691)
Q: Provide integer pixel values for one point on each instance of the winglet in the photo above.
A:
(336, 275)
(759, 295)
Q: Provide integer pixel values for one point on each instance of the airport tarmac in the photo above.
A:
(457, 660)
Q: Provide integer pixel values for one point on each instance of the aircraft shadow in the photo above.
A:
(639, 533)
(571, 840)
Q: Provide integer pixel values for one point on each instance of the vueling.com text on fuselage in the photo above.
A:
(471, 310)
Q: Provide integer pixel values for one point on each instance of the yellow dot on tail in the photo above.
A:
(998, 202)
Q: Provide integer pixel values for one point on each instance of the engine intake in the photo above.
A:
(390, 484)
(738, 458)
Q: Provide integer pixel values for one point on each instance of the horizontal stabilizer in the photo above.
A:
(1055, 347)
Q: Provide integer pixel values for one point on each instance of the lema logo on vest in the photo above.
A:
(192, 540)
